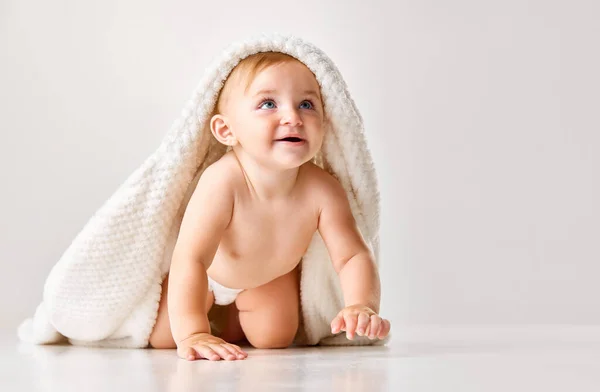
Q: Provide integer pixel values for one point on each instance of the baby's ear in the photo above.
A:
(219, 127)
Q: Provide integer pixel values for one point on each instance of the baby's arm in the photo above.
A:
(354, 263)
(206, 217)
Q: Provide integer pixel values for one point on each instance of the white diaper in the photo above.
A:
(223, 295)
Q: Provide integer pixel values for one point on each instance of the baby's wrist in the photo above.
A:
(191, 337)
(186, 326)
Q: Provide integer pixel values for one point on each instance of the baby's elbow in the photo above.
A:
(364, 256)
(340, 263)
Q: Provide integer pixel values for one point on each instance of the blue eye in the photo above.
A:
(267, 101)
(310, 103)
(272, 102)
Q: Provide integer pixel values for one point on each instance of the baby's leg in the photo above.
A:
(229, 323)
(161, 336)
(269, 314)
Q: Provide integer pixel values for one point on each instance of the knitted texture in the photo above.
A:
(105, 289)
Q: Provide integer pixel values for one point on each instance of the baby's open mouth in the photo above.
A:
(290, 139)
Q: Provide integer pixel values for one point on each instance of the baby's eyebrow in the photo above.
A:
(271, 91)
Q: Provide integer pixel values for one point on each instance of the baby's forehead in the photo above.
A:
(247, 79)
(258, 78)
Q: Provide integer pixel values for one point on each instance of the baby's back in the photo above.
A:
(265, 239)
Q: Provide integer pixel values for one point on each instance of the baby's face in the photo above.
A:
(282, 100)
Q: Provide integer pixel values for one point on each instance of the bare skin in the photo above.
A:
(272, 236)
(250, 221)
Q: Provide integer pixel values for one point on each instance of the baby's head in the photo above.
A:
(267, 97)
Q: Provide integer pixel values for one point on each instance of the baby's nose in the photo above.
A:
(291, 117)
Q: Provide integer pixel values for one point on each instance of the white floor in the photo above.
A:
(417, 359)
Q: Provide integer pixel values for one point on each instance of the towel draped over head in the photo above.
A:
(106, 287)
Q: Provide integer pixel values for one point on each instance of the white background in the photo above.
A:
(482, 118)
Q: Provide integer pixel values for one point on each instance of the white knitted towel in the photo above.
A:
(105, 289)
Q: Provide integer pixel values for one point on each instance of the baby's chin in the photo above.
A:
(281, 157)
(290, 161)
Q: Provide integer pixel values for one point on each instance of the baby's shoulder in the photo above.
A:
(320, 182)
(315, 175)
(221, 175)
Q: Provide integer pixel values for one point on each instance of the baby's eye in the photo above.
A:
(309, 103)
(271, 102)
(266, 102)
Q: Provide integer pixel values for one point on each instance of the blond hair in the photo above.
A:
(246, 70)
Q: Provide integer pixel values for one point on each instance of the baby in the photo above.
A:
(267, 200)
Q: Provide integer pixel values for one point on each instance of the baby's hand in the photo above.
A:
(205, 345)
(362, 320)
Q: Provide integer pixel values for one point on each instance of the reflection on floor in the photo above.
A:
(417, 359)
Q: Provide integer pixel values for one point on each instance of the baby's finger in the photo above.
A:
(336, 324)
(385, 329)
(207, 352)
(239, 350)
(350, 321)
(234, 351)
(368, 330)
(363, 321)
(188, 354)
(375, 325)
(222, 351)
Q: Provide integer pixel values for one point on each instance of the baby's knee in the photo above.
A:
(161, 336)
(279, 340)
(161, 341)
(273, 333)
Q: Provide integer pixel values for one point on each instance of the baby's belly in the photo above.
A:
(258, 247)
(257, 263)
(247, 273)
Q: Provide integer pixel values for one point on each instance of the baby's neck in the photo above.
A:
(266, 184)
